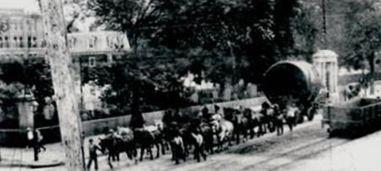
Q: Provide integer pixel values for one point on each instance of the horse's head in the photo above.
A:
(159, 125)
(103, 144)
(214, 125)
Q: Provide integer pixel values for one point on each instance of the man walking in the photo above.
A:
(292, 111)
(93, 154)
(29, 134)
(35, 145)
(40, 139)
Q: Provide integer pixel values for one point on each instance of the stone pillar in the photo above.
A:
(109, 59)
(75, 70)
(26, 107)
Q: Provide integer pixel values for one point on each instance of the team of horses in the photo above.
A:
(201, 135)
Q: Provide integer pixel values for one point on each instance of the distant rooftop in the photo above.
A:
(17, 12)
(325, 54)
(26, 5)
(13, 11)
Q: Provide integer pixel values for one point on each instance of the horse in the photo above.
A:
(192, 134)
(172, 133)
(199, 145)
(113, 144)
(128, 145)
(208, 135)
(256, 121)
(252, 122)
(160, 136)
(240, 123)
(268, 118)
(223, 129)
(278, 120)
(146, 138)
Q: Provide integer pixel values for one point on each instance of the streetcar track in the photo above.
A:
(293, 154)
(309, 155)
(315, 142)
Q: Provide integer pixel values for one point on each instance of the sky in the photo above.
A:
(27, 5)
(32, 6)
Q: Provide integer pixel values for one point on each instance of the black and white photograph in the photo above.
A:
(190, 85)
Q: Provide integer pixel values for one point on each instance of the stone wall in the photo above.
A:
(98, 126)
(17, 137)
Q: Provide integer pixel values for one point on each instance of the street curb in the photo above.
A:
(32, 165)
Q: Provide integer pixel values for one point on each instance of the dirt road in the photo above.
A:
(270, 152)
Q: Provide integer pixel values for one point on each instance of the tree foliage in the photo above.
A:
(28, 75)
(219, 40)
(362, 33)
(156, 87)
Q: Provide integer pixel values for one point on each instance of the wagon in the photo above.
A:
(353, 117)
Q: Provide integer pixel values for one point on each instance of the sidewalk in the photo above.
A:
(23, 157)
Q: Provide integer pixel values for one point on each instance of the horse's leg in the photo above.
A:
(109, 160)
(202, 150)
(211, 147)
(222, 140)
(186, 149)
(117, 152)
(175, 153)
(128, 154)
(263, 128)
(273, 124)
(158, 150)
(172, 146)
(149, 149)
(183, 155)
(238, 136)
(245, 133)
(251, 132)
(163, 146)
(142, 148)
(196, 153)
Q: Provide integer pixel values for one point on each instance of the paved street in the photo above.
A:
(307, 147)
(265, 153)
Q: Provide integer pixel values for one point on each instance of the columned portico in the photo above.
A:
(325, 62)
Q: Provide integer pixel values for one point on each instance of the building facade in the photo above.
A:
(22, 37)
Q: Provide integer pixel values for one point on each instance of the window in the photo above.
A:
(21, 42)
(29, 42)
(92, 62)
(92, 41)
(15, 42)
(6, 42)
(34, 42)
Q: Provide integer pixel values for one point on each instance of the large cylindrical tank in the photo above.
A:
(291, 79)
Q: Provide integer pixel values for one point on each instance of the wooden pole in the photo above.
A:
(59, 57)
(325, 43)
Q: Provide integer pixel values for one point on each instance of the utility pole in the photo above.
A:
(324, 13)
(59, 58)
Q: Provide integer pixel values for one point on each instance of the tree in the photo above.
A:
(220, 40)
(60, 60)
(305, 30)
(156, 87)
(362, 34)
